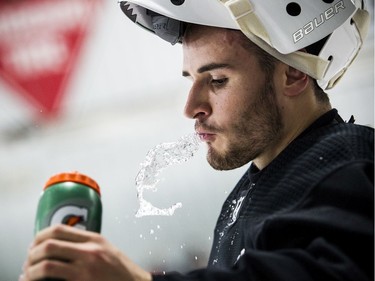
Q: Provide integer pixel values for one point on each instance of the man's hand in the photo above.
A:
(68, 253)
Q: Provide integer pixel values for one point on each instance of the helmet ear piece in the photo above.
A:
(342, 48)
(290, 26)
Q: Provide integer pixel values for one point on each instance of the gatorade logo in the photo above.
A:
(71, 215)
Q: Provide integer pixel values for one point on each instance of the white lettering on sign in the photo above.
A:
(47, 55)
(40, 16)
(32, 38)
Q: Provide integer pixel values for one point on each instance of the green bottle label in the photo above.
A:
(69, 203)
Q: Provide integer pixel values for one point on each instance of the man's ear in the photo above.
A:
(296, 81)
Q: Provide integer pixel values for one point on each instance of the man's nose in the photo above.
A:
(198, 103)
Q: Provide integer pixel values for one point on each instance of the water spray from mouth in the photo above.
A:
(157, 159)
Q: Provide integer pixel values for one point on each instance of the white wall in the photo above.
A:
(127, 97)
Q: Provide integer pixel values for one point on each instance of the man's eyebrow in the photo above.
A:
(207, 67)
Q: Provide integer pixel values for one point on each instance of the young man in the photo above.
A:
(304, 209)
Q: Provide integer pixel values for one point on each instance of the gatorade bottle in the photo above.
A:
(72, 199)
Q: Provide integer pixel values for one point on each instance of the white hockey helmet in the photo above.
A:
(282, 28)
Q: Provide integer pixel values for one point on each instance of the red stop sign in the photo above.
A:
(40, 41)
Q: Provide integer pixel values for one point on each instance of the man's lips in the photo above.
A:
(206, 132)
(206, 136)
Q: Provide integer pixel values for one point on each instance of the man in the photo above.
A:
(304, 209)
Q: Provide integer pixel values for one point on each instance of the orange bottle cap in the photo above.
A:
(73, 177)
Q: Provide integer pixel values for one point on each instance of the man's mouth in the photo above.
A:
(205, 133)
(206, 136)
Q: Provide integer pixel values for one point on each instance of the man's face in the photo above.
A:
(231, 99)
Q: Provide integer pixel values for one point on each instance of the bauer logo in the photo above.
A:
(70, 215)
(315, 23)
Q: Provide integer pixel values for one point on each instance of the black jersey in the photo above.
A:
(307, 216)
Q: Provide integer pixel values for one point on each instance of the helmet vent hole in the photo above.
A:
(328, 1)
(177, 2)
(293, 9)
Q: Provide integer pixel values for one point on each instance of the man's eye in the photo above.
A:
(219, 82)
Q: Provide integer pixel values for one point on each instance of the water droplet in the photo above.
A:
(152, 231)
(196, 258)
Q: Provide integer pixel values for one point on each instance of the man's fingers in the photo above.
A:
(51, 269)
(52, 249)
(62, 232)
(59, 242)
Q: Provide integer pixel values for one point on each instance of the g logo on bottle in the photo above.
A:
(71, 215)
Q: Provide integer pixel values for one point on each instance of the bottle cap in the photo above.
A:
(73, 177)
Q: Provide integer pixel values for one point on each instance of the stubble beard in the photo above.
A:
(259, 127)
